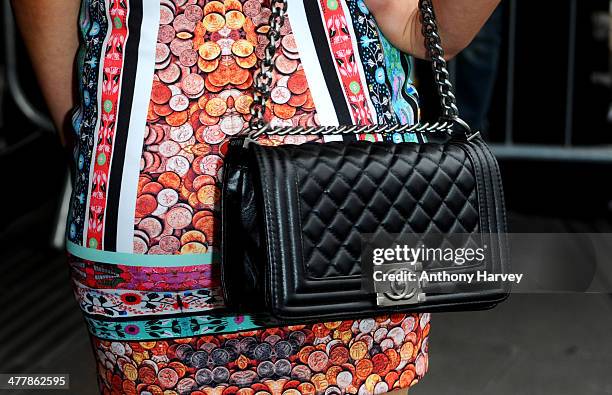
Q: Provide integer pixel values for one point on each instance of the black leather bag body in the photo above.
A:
(294, 218)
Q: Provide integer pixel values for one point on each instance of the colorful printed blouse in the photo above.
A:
(164, 85)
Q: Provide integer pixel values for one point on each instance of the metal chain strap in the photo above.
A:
(433, 43)
(448, 121)
(263, 80)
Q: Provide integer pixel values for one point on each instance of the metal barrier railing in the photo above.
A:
(567, 151)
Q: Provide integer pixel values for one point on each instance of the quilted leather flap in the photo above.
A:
(346, 191)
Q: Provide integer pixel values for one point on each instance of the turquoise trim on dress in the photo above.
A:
(397, 78)
(127, 259)
(398, 81)
(169, 328)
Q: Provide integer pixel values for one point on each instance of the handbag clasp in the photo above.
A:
(404, 288)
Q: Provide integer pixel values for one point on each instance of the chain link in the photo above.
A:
(433, 43)
(263, 80)
(450, 114)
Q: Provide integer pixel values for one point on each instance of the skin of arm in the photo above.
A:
(50, 33)
(458, 20)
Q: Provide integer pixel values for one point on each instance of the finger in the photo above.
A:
(399, 23)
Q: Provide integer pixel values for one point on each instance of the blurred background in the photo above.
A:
(536, 81)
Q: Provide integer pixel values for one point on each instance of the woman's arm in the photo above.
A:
(49, 30)
(459, 21)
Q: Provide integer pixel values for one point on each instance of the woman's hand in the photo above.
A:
(459, 21)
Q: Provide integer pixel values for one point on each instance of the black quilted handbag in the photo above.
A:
(294, 216)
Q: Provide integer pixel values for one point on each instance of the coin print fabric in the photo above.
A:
(369, 356)
(199, 100)
(174, 84)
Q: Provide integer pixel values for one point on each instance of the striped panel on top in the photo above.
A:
(137, 125)
(358, 63)
(372, 60)
(93, 27)
(326, 62)
(312, 68)
(130, 65)
(338, 35)
(113, 70)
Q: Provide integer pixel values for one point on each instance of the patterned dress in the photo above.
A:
(164, 84)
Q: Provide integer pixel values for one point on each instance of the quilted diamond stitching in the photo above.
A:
(336, 184)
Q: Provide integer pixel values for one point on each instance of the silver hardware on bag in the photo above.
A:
(449, 120)
(405, 289)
